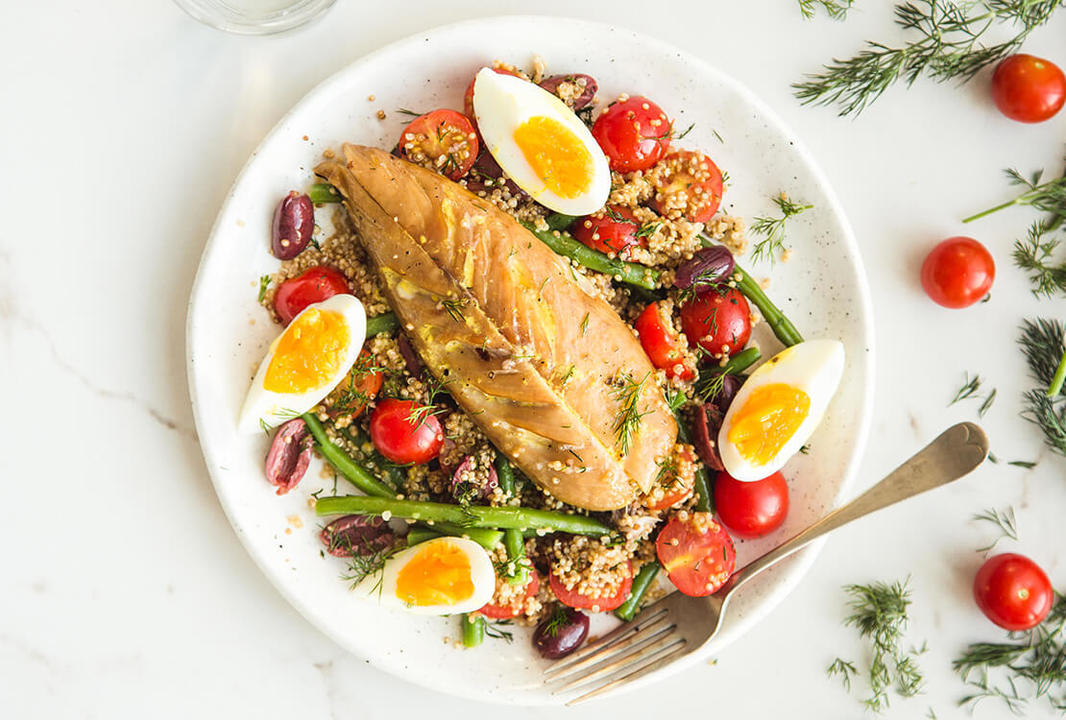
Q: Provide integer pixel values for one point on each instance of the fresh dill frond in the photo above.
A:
(1004, 520)
(1027, 464)
(264, 285)
(969, 389)
(708, 388)
(1047, 197)
(945, 44)
(647, 229)
(368, 563)
(584, 324)
(844, 669)
(1050, 416)
(1043, 343)
(1035, 256)
(675, 398)
(409, 113)
(496, 630)
(836, 9)
(558, 619)
(627, 391)
(773, 229)
(419, 413)
(454, 307)
(986, 405)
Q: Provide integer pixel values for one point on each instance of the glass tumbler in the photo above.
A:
(254, 17)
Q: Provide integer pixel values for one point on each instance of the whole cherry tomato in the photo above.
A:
(688, 185)
(958, 272)
(1028, 89)
(312, 286)
(580, 601)
(751, 509)
(405, 432)
(634, 134)
(1013, 592)
(443, 141)
(611, 230)
(662, 343)
(696, 552)
(715, 320)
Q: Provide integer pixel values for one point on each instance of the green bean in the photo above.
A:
(643, 580)
(627, 272)
(339, 459)
(418, 534)
(487, 538)
(560, 221)
(322, 193)
(702, 483)
(386, 322)
(783, 328)
(473, 630)
(473, 516)
(517, 566)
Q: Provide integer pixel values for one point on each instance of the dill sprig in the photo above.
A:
(1034, 256)
(968, 389)
(362, 565)
(879, 612)
(264, 285)
(627, 391)
(1030, 665)
(947, 46)
(773, 229)
(454, 307)
(1004, 520)
(836, 9)
(496, 630)
(844, 669)
(1043, 343)
(1048, 197)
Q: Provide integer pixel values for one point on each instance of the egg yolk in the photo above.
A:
(556, 154)
(438, 575)
(767, 420)
(308, 354)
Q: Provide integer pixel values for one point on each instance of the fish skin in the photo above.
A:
(522, 326)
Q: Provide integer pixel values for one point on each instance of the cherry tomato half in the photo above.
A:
(359, 387)
(662, 343)
(404, 433)
(310, 287)
(611, 230)
(468, 96)
(751, 509)
(958, 272)
(716, 320)
(634, 134)
(688, 185)
(498, 612)
(1027, 88)
(696, 552)
(1013, 592)
(443, 141)
(677, 487)
(574, 599)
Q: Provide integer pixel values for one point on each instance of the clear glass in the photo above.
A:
(254, 17)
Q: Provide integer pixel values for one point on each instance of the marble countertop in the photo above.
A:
(124, 591)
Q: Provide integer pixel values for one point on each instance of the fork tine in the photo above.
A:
(646, 618)
(651, 666)
(633, 653)
(606, 652)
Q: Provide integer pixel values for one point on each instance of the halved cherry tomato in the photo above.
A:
(751, 509)
(676, 486)
(1013, 592)
(717, 320)
(1028, 89)
(611, 230)
(497, 612)
(634, 134)
(468, 96)
(696, 552)
(688, 185)
(958, 272)
(310, 287)
(662, 343)
(404, 432)
(360, 386)
(443, 141)
(574, 599)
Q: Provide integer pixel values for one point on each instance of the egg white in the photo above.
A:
(504, 102)
(262, 406)
(814, 366)
(382, 586)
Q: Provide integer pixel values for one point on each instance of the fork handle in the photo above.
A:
(956, 452)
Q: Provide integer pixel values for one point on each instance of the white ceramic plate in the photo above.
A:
(823, 289)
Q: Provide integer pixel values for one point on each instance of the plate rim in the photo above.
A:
(802, 560)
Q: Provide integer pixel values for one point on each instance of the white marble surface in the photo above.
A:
(124, 593)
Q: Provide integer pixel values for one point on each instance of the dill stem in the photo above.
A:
(995, 209)
(1058, 379)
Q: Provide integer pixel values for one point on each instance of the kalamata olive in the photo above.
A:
(730, 385)
(706, 422)
(289, 455)
(294, 221)
(561, 632)
(487, 175)
(357, 535)
(578, 92)
(462, 486)
(410, 357)
(709, 266)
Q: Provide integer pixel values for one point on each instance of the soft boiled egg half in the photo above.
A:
(305, 362)
(541, 144)
(778, 407)
(442, 576)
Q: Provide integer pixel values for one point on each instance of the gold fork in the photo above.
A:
(679, 624)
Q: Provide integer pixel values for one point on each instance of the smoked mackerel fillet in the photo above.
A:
(542, 366)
